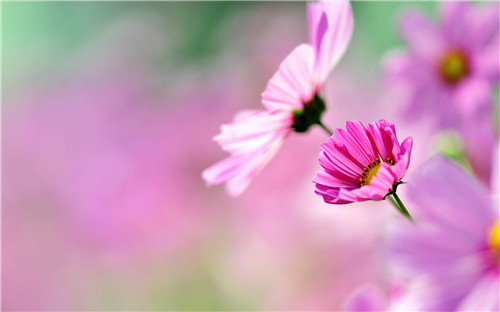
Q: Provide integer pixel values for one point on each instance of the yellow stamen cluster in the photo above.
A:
(494, 240)
(453, 67)
(371, 170)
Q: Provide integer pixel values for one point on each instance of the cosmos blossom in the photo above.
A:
(448, 71)
(452, 258)
(362, 163)
(291, 99)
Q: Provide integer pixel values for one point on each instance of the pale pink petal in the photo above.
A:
(292, 85)
(330, 26)
(424, 38)
(484, 296)
(366, 299)
(237, 171)
(484, 27)
(455, 21)
(447, 196)
(252, 129)
(486, 62)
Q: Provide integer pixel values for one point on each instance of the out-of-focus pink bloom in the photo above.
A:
(445, 58)
(291, 99)
(448, 73)
(362, 163)
(368, 298)
(452, 256)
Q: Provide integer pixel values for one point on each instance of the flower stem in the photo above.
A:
(396, 201)
(330, 132)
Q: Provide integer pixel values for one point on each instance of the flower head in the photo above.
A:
(446, 59)
(452, 257)
(362, 163)
(448, 72)
(291, 99)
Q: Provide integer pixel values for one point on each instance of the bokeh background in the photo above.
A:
(107, 119)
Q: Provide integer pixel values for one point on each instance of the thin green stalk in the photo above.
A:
(396, 201)
(328, 130)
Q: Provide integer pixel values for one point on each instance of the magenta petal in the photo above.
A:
(381, 184)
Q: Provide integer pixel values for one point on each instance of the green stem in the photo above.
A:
(396, 201)
(330, 132)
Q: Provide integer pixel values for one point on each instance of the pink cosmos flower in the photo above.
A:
(291, 99)
(445, 59)
(452, 258)
(362, 163)
(448, 73)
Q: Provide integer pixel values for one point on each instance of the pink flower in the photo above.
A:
(291, 99)
(362, 163)
(448, 73)
(452, 258)
(446, 59)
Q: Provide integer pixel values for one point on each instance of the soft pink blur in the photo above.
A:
(104, 207)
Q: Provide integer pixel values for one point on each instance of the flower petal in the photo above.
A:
(330, 26)
(424, 38)
(292, 85)
(455, 21)
(239, 170)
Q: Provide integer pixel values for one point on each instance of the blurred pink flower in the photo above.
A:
(291, 99)
(452, 257)
(444, 59)
(362, 163)
(448, 74)
(367, 298)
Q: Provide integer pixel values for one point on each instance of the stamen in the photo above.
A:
(371, 170)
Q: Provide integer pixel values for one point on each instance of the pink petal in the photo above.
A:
(448, 197)
(292, 85)
(330, 26)
(380, 184)
(252, 129)
(239, 170)
(486, 63)
(455, 21)
(366, 299)
(356, 141)
(484, 296)
(484, 27)
(424, 38)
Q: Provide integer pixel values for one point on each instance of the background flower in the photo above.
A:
(451, 257)
(448, 74)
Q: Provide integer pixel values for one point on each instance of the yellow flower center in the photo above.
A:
(454, 67)
(494, 239)
(371, 170)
